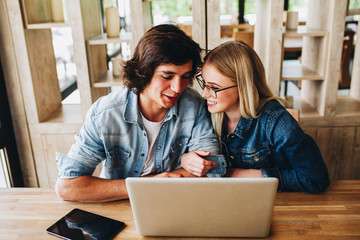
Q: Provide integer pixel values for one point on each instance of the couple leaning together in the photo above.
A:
(158, 127)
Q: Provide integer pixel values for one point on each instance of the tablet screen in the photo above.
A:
(80, 224)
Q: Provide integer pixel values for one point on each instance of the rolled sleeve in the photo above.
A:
(71, 168)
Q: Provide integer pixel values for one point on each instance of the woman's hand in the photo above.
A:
(195, 164)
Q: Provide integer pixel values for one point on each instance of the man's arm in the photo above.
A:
(91, 189)
(94, 189)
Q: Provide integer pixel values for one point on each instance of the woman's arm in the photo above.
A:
(307, 171)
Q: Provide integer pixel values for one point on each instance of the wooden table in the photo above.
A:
(25, 213)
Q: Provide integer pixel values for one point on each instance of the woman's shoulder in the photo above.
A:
(273, 108)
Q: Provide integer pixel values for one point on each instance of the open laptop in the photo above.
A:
(202, 207)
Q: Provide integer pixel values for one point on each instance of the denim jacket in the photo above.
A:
(113, 131)
(275, 144)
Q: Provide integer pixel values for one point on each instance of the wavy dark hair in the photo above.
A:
(162, 44)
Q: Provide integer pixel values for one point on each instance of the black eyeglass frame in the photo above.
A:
(211, 90)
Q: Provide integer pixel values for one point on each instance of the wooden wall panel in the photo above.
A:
(51, 144)
(14, 60)
(340, 149)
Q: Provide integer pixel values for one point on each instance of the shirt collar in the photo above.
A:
(243, 127)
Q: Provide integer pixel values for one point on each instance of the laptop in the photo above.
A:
(202, 207)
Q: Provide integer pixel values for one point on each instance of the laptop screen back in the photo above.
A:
(202, 207)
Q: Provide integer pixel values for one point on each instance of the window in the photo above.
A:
(65, 64)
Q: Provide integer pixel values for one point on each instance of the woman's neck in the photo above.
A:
(231, 120)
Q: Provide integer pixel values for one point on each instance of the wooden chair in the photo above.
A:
(186, 28)
(295, 113)
(245, 36)
(227, 30)
(348, 48)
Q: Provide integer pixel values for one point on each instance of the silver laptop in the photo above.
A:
(202, 207)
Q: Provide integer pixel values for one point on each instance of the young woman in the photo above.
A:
(259, 137)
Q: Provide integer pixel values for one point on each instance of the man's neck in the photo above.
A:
(151, 112)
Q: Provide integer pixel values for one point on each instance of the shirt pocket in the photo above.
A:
(177, 149)
(256, 158)
(116, 158)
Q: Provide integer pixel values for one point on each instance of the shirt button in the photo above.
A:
(159, 147)
(231, 156)
(256, 158)
(157, 167)
(142, 154)
(163, 126)
(144, 134)
(180, 144)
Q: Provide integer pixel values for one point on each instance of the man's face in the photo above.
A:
(166, 85)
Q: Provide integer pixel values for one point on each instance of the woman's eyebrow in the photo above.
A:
(214, 84)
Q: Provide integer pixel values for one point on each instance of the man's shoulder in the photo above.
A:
(115, 99)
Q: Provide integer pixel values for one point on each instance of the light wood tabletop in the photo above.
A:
(25, 213)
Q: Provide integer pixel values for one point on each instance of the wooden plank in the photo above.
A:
(137, 21)
(52, 143)
(213, 23)
(36, 11)
(333, 214)
(43, 71)
(108, 80)
(302, 31)
(10, 29)
(199, 23)
(46, 25)
(336, 146)
(355, 76)
(293, 70)
(322, 95)
(268, 40)
(103, 39)
(84, 26)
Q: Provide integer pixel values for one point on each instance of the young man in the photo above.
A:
(144, 129)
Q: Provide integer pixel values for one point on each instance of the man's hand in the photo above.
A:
(173, 174)
(195, 164)
(167, 175)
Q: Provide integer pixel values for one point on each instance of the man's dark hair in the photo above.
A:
(162, 44)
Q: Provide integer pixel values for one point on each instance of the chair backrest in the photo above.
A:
(245, 36)
(295, 113)
(186, 28)
(227, 30)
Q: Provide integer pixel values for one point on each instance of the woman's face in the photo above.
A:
(226, 100)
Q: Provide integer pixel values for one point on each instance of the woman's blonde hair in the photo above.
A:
(239, 62)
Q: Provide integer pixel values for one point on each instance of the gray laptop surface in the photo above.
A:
(202, 207)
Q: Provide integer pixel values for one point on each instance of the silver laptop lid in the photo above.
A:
(202, 207)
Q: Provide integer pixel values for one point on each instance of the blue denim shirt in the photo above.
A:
(113, 131)
(275, 144)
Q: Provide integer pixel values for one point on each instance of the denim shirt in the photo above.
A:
(275, 144)
(113, 132)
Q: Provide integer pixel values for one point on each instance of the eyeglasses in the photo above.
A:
(212, 91)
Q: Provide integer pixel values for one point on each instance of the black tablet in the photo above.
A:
(79, 224)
